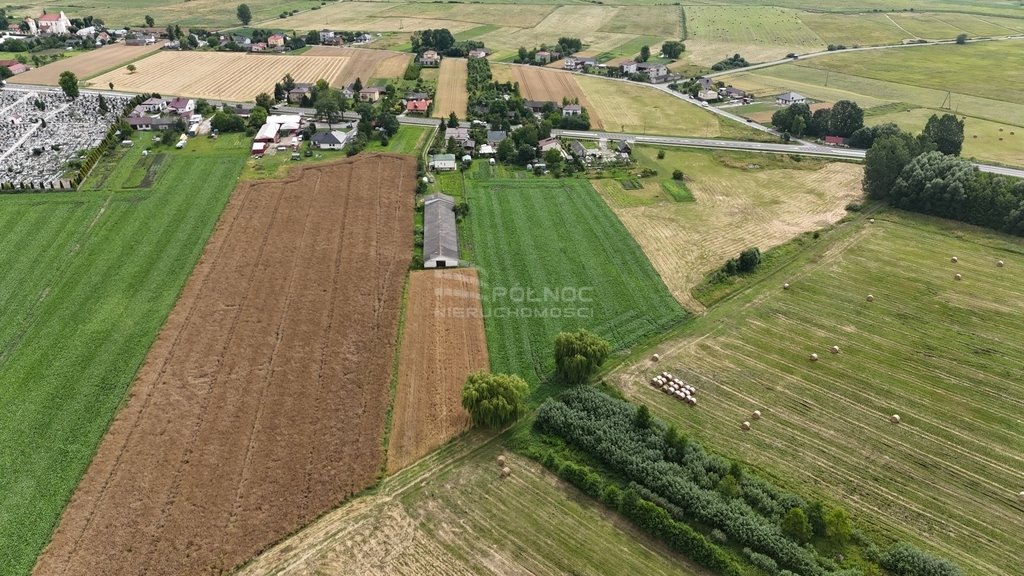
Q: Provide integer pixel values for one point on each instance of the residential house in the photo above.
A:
(571, 110)
(413, 96)
(429, 58)
(628, 67)
(242, 110)
(156, 105)
(140, 40)
(548, 144)
(461, 137)
(537, 106)
(146, 123)
(790, 98)
(732, 93)
(300, 91)
(495, 137)
(623, 147)
(275, 40)
(333, 140)
(578, 63)
(578, 150)
(328, 37)
(182, 106)
(706, 84)
(442, 162)
(440, 235)
(258, 47)
(653, 70)
(172, 45)
(542, 57)
(479, 53)
(836, 141)
(417, 106)
(371, 93)
(242, 41)
(708, 95)
(349, 92)
(54, 23)
(363, 38)
(14, 66)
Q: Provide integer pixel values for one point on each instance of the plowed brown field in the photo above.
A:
(451, 89)
(443, 342)
(85, 65)
(262, 403)
(536, 83)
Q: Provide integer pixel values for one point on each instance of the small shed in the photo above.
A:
(440, 237)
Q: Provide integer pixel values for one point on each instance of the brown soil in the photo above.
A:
(443, 342)
(537, 83)
(85, 65)
(451, 88)
(262, 402)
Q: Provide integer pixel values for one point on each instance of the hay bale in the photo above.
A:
(785, 286)
(957, 277)
(506, 472)
(953, 259)
(871, 298)
(835, 349)
(655, 358)
(501, 460)
(745, 426)
(999, 263)
(1020, 496)
(756, 415)
(814, 357)
(872, 220)
(895, 418)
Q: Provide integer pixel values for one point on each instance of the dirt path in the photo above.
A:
(451, 89)
(443, 342)
(262, 402)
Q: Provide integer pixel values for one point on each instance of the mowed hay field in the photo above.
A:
(735, 207)
(759, 33)
(442, 343)
(451, 514)
(210, 14)
(552, 257)
(984, 140)
(86, 64)
(942, 354)
(537, 83)
(89, 278)
(240, 77)
(262, 403)
(451, 89)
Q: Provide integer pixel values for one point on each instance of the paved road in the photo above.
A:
(804, 148)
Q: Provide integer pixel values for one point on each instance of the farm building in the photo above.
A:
(14, 66)
(788, 98)
(442, 162)
(329, 140)
(836, 141)
(440, 238)
(478, 53)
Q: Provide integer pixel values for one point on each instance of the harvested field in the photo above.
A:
(537, 83)
(451, 89)
(262, 403)
(763, 207)
(85, 65)
(240, 77)
(390, 67)
(442, 343)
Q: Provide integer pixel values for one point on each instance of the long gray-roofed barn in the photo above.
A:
(440, 237)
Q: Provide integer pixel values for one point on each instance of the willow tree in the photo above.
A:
(493, 400)
(578, 355)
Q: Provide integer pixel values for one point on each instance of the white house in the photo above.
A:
(440, 237)
(154, 105)
(443, 162)
(329, 140)
(181, 105)
(54, 23)
(790, 98)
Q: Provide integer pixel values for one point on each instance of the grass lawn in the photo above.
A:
(90, 277)
(942, 354)
(984, 140)
(408, 140)
(552, 257)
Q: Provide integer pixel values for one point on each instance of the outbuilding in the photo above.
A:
(440, 237)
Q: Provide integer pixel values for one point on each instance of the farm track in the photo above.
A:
(443, 342)
(554, 85)
(256, 410)
(451, 89)
(85, 65)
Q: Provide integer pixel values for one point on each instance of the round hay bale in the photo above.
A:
(506, 472)
(895, 418)
(501, 460)
(835, 349)
(745, 426)
(655, 358)
(872, 220)
(953, 260)
(1020, 496)
(756, 415)
(957, 277)
(871, 298)
(814, 357)
(999, 263)
(785, 286)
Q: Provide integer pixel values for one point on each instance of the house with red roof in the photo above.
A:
(54, 23)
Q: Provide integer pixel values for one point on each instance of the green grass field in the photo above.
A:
(206, 13)
(941, 353)
(984, 140)
(552, 257)
(89, 278)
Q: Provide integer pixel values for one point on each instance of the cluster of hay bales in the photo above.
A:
(674, 387)
(505, 470)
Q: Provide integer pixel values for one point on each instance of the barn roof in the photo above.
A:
(440, 238)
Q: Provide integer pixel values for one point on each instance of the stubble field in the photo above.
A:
(451, 89)
(442, 343)
(262, 403)
(941, 353)
(85, 65)
(537, 83)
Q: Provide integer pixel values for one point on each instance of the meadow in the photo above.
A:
(941, 353)
(983, 140)
(759, 33)
(91, 276)
(551, 256)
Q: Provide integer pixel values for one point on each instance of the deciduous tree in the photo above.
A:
(493, 400)
(244, 14)
(69, 83)
(578, 355)
(947, 132)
